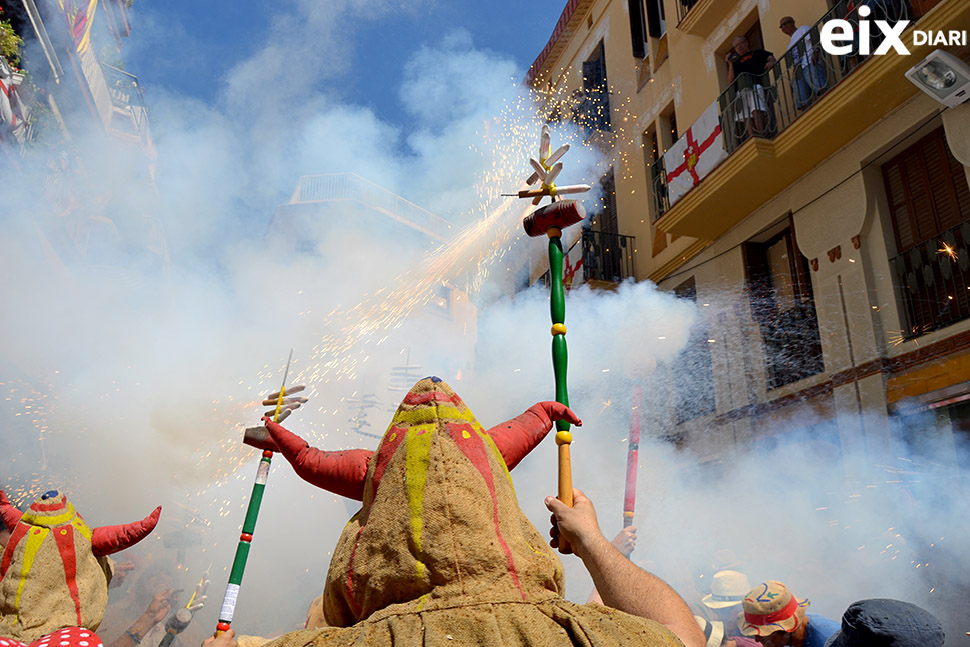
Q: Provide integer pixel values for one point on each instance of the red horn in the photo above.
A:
(342, 472)
(517, 437)
(110, 539)
(9, 514)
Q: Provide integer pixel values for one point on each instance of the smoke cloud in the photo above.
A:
(141, 330)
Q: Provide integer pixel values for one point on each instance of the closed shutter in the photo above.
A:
(927, 191)
(638, 29)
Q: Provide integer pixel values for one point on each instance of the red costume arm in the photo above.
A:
(110, 539)
(341, 472)
(517, 437)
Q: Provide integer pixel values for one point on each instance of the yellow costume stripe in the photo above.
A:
(427, 414)
(48, 522)
(82, 527)
(35, 537)
(418, 448)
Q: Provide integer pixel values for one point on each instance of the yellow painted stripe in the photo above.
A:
(48, 522)
(82, 527)
(35, 537)
(427, 414)
(418, 448)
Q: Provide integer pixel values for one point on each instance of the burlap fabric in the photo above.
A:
(49, 578)
(441, 553)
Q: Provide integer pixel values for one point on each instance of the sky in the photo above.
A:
(191, 47)
(128, 378)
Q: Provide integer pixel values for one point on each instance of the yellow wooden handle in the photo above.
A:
(565, 489)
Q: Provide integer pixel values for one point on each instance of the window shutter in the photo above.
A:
(927, 191)
(637, 28)
(654, 19)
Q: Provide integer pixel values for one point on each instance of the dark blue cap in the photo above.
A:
(880, 622)
(50, 494)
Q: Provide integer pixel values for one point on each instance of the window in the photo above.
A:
(638, 28)
(655, 173)
(594, 112)
(927, 191)
(656, 23)
(929, 203)
(693, 376)
(782, 304)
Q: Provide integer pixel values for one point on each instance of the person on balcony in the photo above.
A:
(746, 70)
(808, 73)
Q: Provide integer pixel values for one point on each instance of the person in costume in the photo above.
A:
(54, 572)
(440, 552)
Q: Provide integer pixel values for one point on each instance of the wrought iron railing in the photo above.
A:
(658, 182)
(126, 96)
(934, 280)
(608, 257)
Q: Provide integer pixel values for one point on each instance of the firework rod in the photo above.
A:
(632, 456)
(557, 311)
(249, 525)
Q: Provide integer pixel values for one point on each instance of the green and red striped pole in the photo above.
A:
(550, 220)
(249, 526)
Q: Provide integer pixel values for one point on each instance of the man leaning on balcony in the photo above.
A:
(808, 74)
(750, 104)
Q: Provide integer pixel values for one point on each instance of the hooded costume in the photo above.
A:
(53, 572)
(440, 553)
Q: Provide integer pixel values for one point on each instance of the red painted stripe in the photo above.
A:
(474, 449)
(64, 537)
(426, 397)
(19, 531)
(385, 452)
(37, 506)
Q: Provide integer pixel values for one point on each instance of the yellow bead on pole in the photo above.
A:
(554, 232)
(558, 329)
(563, 437)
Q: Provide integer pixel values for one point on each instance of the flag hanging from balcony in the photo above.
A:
(572, 267)
(694, 155)
(79, 14)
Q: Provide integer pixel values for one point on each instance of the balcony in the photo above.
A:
(814, 104)
(608, 257)
(700, 17)
(934, 280)
(129, 117)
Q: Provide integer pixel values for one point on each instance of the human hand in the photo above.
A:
(289, 404)
(226, 639)
(578, 524)
(626, 540)
(119, 571)
(160, 606)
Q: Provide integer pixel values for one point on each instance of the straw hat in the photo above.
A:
(727, 590)
(768, 608)
(713, 631)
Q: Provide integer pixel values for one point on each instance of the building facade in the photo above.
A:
(817, 211)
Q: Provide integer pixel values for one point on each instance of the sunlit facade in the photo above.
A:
(819, 213)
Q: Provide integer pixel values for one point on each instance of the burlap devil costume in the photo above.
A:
(52, 573)
(441, 553)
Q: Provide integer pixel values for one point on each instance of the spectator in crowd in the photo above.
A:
(808, 73)
(774, 617)
(887, 623)
(722, 604)
(747, 67)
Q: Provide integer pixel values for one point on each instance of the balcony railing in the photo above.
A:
(683, 7)
(658, 181)
(130, 116)
(934, 280)
(764, 106)
(608, 257)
